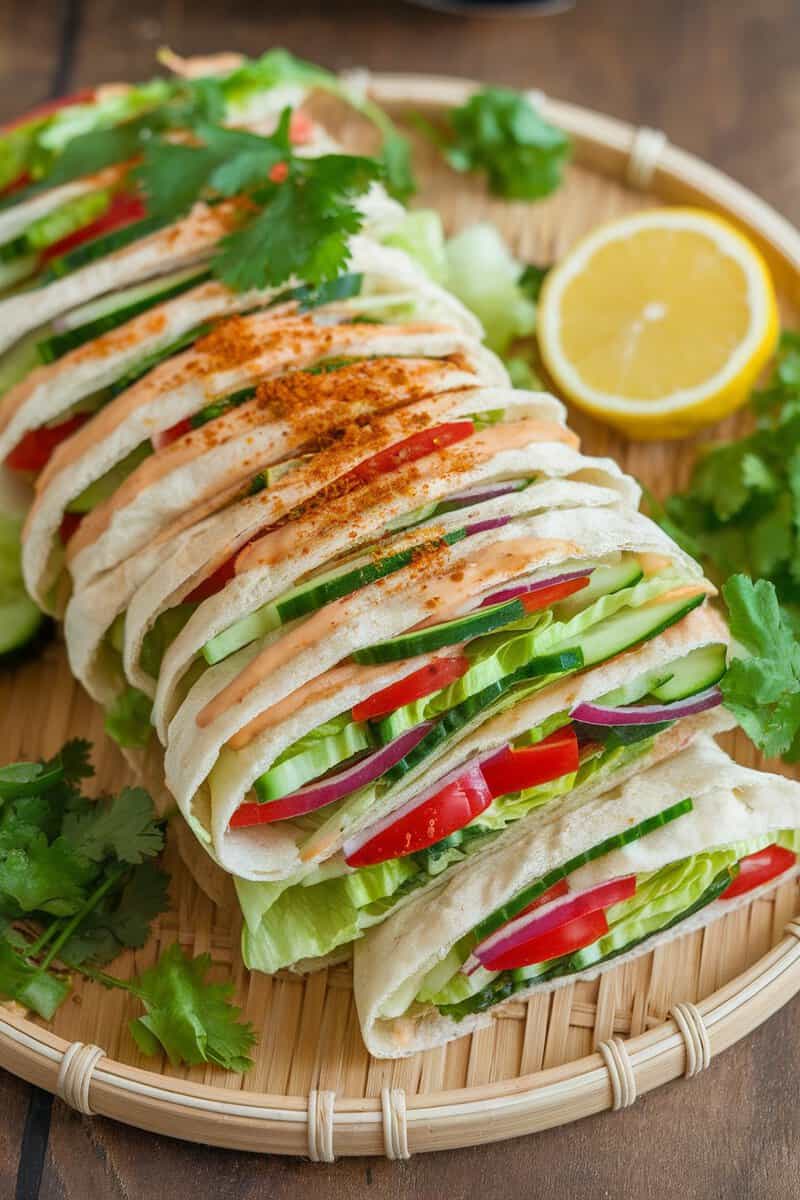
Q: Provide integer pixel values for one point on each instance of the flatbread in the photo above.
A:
(731, 803)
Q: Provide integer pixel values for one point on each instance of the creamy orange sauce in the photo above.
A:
(278, 544)
(450, 589)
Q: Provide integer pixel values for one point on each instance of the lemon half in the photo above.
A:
(659, 323)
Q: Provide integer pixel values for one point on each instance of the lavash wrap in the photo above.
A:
(731, 803)
(178, 480)
(665, 743)
(177, 389)
(269, 852)
(569, 480)
(54, 388)
(170, 567)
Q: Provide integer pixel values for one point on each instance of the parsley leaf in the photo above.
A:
(763, 690)
(189, 1016)
(500, 132)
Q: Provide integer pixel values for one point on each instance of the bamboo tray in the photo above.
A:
(590, 1046)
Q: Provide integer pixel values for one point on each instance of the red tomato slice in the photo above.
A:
(759, 868)
(564, 939)
(301, 128)
(450, 809)
(533, 942)
(544, 597)
(48, 108)
(418, 445)
(160, 440)
(514, 770)
(17, 184)
(69, 523)
(428, 679)
(213, 583)
(125, 208)
(35, 449)
(554, 893)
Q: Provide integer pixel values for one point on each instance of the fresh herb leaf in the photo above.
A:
(763, 690)
(304, 225)
(45, 876)
(189, 1016)
(122, 827)
(741, 511)
(121, 921)
(500, 132)
(21, 981)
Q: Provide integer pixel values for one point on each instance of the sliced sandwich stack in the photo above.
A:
(427, 684)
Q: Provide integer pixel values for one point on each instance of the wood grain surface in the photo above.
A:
(721, 77)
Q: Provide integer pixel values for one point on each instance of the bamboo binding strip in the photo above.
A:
(330, 1102)
(394, 1124)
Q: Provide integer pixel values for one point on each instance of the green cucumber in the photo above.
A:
(631, 626)
(514, 907)
(99, 247)
(456, 718)
(583, 960)
(20, 622)
(150, 361)
(20, 619)
(307, 598)
(286, 777)
(100, 489)
(699, 670)
(101, 316)
(66, 220)
(449, 633)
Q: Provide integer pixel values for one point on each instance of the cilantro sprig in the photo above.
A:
(79, 883)
(499, 131)
(762, 690)
(741, 511)
(299, 213)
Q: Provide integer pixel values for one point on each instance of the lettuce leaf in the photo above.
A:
(284, 925)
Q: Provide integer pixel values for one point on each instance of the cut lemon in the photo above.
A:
(659, 323)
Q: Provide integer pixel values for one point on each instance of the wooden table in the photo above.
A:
(721, 78)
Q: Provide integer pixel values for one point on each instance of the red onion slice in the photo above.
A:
(336, 787)
(482, 526)
(487, 491)
(545, 918)
(526, 589)
(647, 714)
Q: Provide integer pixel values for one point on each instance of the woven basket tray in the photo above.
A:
(587, 1047)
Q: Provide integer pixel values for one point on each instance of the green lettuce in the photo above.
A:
(484, 275)
(127, 718)
(284, 925)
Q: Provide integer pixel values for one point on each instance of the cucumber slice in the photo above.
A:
(479, 705)
(513, 907)
(101, 316)
(307, 598)
(100, 490)
(449, 633)
(631, 626)
(325, 754)
(20, 622)
(697, 671)
(20, 619)
(604, 581)
(158, 356)
(99, 247)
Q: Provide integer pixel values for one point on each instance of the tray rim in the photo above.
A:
(324, 1125)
